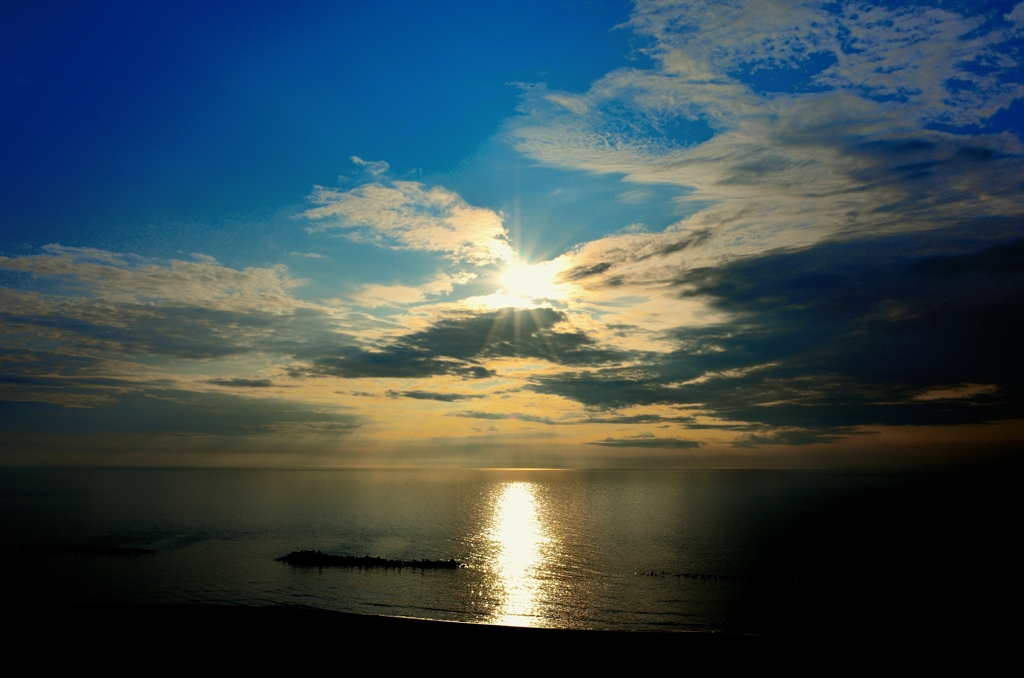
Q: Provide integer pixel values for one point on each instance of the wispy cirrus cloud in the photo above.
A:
(790, 124)
(936, 63)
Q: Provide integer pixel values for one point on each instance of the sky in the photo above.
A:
(581, 235)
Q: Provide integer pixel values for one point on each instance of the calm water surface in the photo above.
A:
(780, 550)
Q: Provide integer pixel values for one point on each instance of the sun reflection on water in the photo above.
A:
(519, 536)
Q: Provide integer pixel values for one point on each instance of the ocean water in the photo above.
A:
(760, 552)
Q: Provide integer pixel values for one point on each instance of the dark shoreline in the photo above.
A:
(287, 633)
(278, 617)
(295, 638)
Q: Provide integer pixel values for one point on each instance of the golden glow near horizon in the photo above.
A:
(519, 536)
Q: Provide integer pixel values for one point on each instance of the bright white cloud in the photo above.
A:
(409, 215)
(374, 295)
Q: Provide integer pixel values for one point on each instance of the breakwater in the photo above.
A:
(321, 559)
(692, 575)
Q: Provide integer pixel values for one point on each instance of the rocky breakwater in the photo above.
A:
(321, 559)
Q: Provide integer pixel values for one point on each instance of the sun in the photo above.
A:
(531, 281)
(521, 285)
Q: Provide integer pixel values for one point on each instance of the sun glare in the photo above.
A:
(518, 533)
(531, 281)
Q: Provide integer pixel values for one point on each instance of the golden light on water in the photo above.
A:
(520, 542)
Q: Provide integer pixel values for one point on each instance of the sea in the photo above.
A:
(761, 552)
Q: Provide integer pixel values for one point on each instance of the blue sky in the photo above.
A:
(200, 111)
(568, 234)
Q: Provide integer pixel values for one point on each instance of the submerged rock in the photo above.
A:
(321, 559)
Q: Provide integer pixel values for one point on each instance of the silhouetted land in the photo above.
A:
(55, 549)
(321, 559)
(303, 640)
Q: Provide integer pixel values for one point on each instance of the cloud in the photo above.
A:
(374, 167)
(459, 344)
(395, 362)
(637, 419)
(581, 272)
(502, 416)
(375, 295)
(911, 329)
(806, 345)
(430, 395)
(615, 419)
(1016, 17)
(179, 413)
(409, 215)
(844, 188)
(647, 440)
(919, 55)
(241, 383)
(130, 279)
(848, 256)
(957, 392)
(95, 342)
(99, 301)
(178, 331)
(865, 135)
(789, 437)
